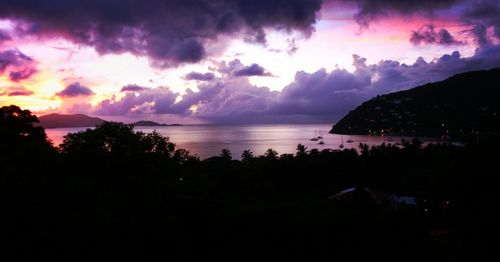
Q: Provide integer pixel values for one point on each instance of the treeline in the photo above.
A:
(113, 193)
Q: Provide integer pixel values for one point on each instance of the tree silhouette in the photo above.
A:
(247, 155)
(118, 139)
(301, 150)
(17, 128)
(271, 154)
(182, 156)
(226, 154)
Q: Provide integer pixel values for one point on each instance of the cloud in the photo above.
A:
(320, 96)
(13, 58)
(370, 10)
(4, 36)
(484, 14)
(428, 35)
(75, 90)
(231, 101)
(149, 101)
(16, 76)
(16, 65)
(236, 69)
(132, 88)
(478, 15)
(252, 70)
(168, 32)
(200, 76)
(16, 91)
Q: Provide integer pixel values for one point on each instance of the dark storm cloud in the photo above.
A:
(16, 91)
(428, 35)
(370, 10)
(169, 32)
(132, 88)
(200, 76)
(74, 90)
(484, 14)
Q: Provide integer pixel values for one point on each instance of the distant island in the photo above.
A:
(463, 105)
(81, 120)
(65, 121)
(151, 123)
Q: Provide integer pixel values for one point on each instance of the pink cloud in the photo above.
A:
(16, 91)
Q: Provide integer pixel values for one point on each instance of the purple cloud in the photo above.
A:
(428, 35)
(478, 14)
(235, 68)
(16, 65)
(483, 14)
(315, 97)
(132, 88)
(13, 58)
(252, 70)
(16, 76)
(200, 76)
(4, 36)
(370, 10)
(168, 32)
(148, 101)
(16, 91)
(75, 90)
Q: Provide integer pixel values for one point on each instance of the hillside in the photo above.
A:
(462, 105)
(61, 121)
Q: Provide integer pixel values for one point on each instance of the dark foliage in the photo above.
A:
(18, 133)
(112, 193)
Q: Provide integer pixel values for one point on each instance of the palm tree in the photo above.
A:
(247, 155)
(226, 154)
(301, 150)
(271, 154)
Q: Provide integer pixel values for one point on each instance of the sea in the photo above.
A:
(208, 140)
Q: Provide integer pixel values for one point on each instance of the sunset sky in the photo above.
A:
(239, 61)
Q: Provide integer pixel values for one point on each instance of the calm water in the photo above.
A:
(206, 141)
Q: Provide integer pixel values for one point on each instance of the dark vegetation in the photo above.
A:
(114, 194)
(463, 106)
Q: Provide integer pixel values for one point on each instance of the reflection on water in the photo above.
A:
(206, 141)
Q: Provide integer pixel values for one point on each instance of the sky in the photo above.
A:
(234, 61)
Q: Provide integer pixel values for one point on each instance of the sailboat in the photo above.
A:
(320, 136)
(315, 138)
(341, 143)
